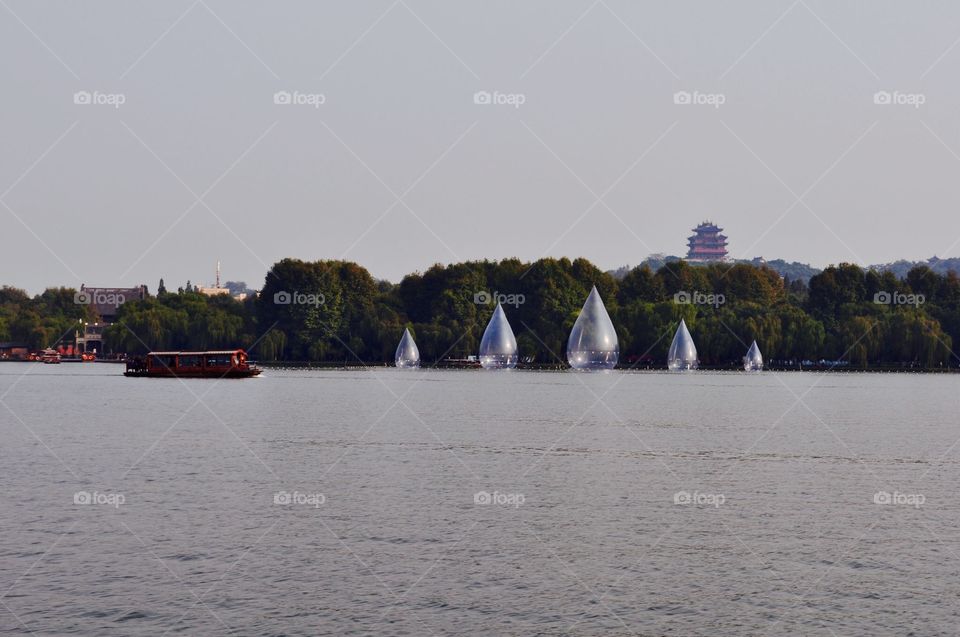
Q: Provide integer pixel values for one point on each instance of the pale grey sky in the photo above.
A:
(108, 195)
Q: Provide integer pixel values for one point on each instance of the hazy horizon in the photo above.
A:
(394, 160)
(256, 284)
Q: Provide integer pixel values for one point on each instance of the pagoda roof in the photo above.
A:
(707, 225)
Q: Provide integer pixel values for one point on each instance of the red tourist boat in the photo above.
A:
(215, 364)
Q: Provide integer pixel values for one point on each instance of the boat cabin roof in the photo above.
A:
(215, 352)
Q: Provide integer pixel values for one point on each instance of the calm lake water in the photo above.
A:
(464, 502)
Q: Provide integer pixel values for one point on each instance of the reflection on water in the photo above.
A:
(448, 503)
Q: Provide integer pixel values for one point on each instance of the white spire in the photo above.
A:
(593, 340)
(753, 361)
(683, 353)
(498, 347)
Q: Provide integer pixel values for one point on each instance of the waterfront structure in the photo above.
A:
(407, 356)
(14, 351)
(683, 353)
(593, 343)
(90, 340)
(498, 347)
(707, 243)
(753, 361)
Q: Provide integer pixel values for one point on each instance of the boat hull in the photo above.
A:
(229, 373)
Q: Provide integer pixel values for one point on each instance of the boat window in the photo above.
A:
(218, 360)
(168, 360)
(190, 361)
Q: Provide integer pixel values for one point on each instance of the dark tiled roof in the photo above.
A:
(107, 301)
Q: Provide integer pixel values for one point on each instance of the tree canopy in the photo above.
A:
(336, 311)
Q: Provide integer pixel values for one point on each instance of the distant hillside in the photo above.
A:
(900, 268)
(802, 272)
(793, 271)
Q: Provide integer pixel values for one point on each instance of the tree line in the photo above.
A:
(335, 311)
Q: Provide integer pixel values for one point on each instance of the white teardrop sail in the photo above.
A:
(593, 340)
(683, 352)
(498, 347)
(753, 361)
(407, 356)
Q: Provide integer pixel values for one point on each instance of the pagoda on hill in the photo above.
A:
(707, 244)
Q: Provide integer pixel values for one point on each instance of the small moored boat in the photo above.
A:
(214, 364)
(50, 357)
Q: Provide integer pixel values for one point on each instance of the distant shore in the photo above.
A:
(556, 367)
(891, 369)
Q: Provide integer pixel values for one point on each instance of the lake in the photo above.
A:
(468, 502)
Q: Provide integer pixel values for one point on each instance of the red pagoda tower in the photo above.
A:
(707, 244)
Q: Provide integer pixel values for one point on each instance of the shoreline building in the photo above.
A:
(14, 351)
(216, 290)
(707, 243)
(106, 302)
